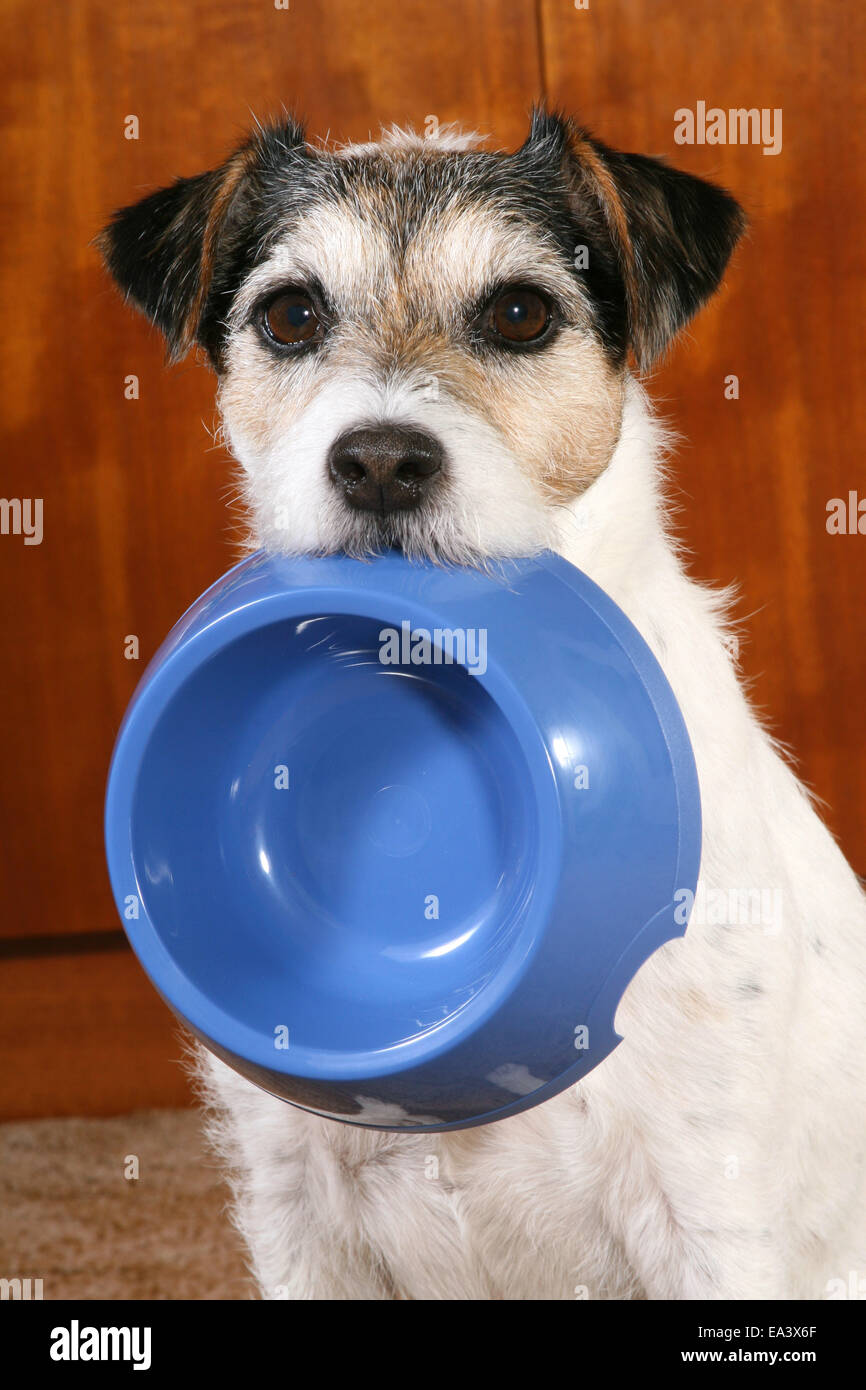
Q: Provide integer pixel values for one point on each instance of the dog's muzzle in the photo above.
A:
(384, 468)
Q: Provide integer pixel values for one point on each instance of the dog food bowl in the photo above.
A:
(392, 838)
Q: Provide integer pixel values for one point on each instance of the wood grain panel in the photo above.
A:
(86, 1035)
(754, 475)
(135, 516)
(135, 522)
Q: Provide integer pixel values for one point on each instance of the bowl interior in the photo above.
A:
(332, 845)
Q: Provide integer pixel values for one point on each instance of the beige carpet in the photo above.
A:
(68, 1215)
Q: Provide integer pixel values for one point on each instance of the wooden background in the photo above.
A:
(134, 495)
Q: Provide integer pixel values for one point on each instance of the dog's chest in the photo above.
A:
(510, 1210)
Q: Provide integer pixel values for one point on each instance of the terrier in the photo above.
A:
(426, 344)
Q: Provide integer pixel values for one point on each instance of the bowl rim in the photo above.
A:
(163, 679)
(205, 628)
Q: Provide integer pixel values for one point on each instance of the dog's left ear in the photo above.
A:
(672, 233)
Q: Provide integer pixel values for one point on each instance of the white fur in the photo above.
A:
(490, 507)
(719, 1151)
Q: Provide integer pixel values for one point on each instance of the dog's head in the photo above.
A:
(420, 342)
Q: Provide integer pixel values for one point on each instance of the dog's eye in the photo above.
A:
(519, 316)
(291, 318)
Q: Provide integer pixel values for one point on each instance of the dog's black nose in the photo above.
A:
(384, 468)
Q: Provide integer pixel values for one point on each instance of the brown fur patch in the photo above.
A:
(260, 405)
(605, 189)
(562, 426)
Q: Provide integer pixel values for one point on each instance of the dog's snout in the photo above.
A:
(384, 468)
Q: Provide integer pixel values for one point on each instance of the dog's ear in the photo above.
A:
(163, 250)
(672, 233)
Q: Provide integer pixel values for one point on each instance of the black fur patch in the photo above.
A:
(683, 230)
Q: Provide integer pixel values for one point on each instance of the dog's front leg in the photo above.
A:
(291, 1184)
(718, 1249)
(335, 1211)
(338, 1212)
(696, 1192)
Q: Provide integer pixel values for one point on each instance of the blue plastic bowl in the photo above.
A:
(392, 838)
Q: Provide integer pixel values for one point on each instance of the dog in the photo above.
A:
(423, 343)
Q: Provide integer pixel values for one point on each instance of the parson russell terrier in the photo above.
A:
(426, 344)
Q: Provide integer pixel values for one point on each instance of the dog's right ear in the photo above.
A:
(163, 251)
